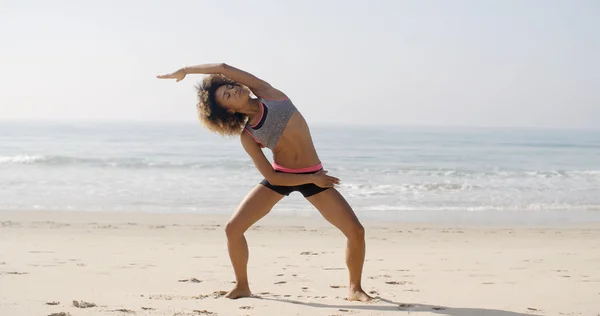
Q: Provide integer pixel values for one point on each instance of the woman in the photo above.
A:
(272, 121)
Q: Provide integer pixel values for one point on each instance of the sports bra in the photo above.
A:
(273, 119)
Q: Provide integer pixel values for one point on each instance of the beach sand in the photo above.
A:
(161, 264)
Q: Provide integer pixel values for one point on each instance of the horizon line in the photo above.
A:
(314, 123)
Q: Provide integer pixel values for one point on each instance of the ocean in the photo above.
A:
(509, 176)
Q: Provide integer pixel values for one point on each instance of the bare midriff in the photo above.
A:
(295, 148)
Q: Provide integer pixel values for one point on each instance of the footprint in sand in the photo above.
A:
(83, 304)
(203, 312)
(105, 227)
(397, 282)
(337, 286)
(308, 253)
(15, 273)
(217, 294)
(52, 303)
(280, 282)
(387, 276)
(246, 307)
(193, 280)
(122, 310)
(60, 314)
(160, 297)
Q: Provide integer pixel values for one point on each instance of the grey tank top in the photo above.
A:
(275, 116)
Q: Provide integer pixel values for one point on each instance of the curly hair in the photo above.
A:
(213, 115)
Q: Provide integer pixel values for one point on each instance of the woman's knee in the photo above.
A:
(232, 229)
(236, 227)
(356, 232)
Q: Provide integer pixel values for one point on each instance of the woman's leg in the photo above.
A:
(255, 205)
(334, 208)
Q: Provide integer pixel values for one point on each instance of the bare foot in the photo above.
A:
(239, 291)
(358, 295)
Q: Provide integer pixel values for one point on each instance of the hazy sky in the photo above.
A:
(480, 62)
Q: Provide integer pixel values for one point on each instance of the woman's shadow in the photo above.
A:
(394, 306)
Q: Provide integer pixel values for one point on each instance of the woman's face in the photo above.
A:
(232, 97)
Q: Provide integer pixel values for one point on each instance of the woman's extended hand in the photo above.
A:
(178, 75)
(323, 180)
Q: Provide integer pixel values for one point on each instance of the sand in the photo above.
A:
(85, 263)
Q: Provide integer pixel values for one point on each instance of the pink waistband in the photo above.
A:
(300, 170)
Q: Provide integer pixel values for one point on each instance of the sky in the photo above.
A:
(428, 62)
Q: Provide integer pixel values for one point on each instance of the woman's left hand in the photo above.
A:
(177, 75)
(320, 178)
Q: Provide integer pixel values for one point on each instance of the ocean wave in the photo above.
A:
(482, 208)
(299, 209)
(368, 189)
(469, 188)
(126, 163)
(20, 159)
(466, 173)
(455, 178)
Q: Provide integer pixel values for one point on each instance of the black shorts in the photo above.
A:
(306, 189)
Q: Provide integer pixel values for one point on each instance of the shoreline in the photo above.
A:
(483, 219)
